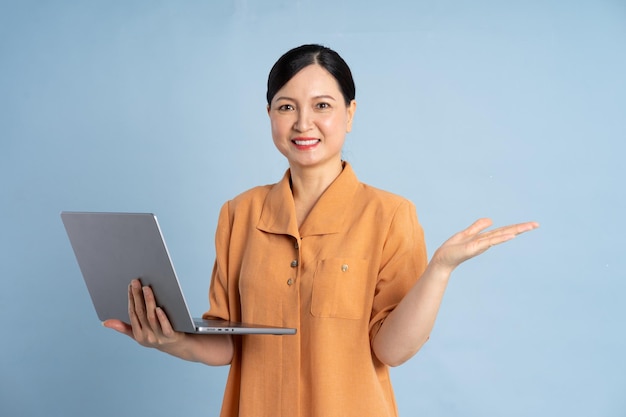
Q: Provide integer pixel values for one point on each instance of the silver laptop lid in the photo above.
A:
(114, 248)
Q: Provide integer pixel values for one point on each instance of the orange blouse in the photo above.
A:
(335, 279)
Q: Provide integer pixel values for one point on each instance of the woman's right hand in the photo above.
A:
(150, 327)
(149, 324)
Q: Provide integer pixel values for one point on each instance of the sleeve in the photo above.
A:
(222, 300)
(403, 261)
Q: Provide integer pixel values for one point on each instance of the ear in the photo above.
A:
(268, 109)
(351, 110)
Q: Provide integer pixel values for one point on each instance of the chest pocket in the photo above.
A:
(340, 288)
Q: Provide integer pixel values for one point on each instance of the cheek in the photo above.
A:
(280, 126)
(335, 125)
(279, 134)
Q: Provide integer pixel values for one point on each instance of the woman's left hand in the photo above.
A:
(475, 240)
(408, 326)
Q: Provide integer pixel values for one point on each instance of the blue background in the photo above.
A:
(512, 110)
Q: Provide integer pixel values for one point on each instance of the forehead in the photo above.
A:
(311, 80)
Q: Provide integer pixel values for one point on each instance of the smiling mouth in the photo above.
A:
(305, 142)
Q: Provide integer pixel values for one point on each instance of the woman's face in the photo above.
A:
(310, 119)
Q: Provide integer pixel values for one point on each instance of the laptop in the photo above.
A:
(114, 248)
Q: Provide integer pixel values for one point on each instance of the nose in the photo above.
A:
(303, 121)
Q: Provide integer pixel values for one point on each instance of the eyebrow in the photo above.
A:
(321, 96)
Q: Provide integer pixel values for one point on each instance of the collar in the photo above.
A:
(327, 216)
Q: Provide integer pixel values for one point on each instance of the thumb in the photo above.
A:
(119, 326)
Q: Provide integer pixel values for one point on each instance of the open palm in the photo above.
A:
(475, 240)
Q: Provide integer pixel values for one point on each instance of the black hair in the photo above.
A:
(297, 58)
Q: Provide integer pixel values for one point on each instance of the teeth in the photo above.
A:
(305, 142)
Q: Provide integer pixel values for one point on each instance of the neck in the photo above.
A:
(309, 184)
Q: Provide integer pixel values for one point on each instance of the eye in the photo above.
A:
(285, 107)
(323, 105)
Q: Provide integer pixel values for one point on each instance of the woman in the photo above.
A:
(341, 261)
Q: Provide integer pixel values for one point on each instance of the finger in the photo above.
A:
(132, 315)
(514, 229)
(151, 307)
(506, 233)
(489, 242)
(164, 323)
(139, 304)
(526, 227)
(118, 326)
(479, 225)
(469, 233)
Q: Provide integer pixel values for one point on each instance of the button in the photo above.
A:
(289, 281)
(294, 263)
(344, 267)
